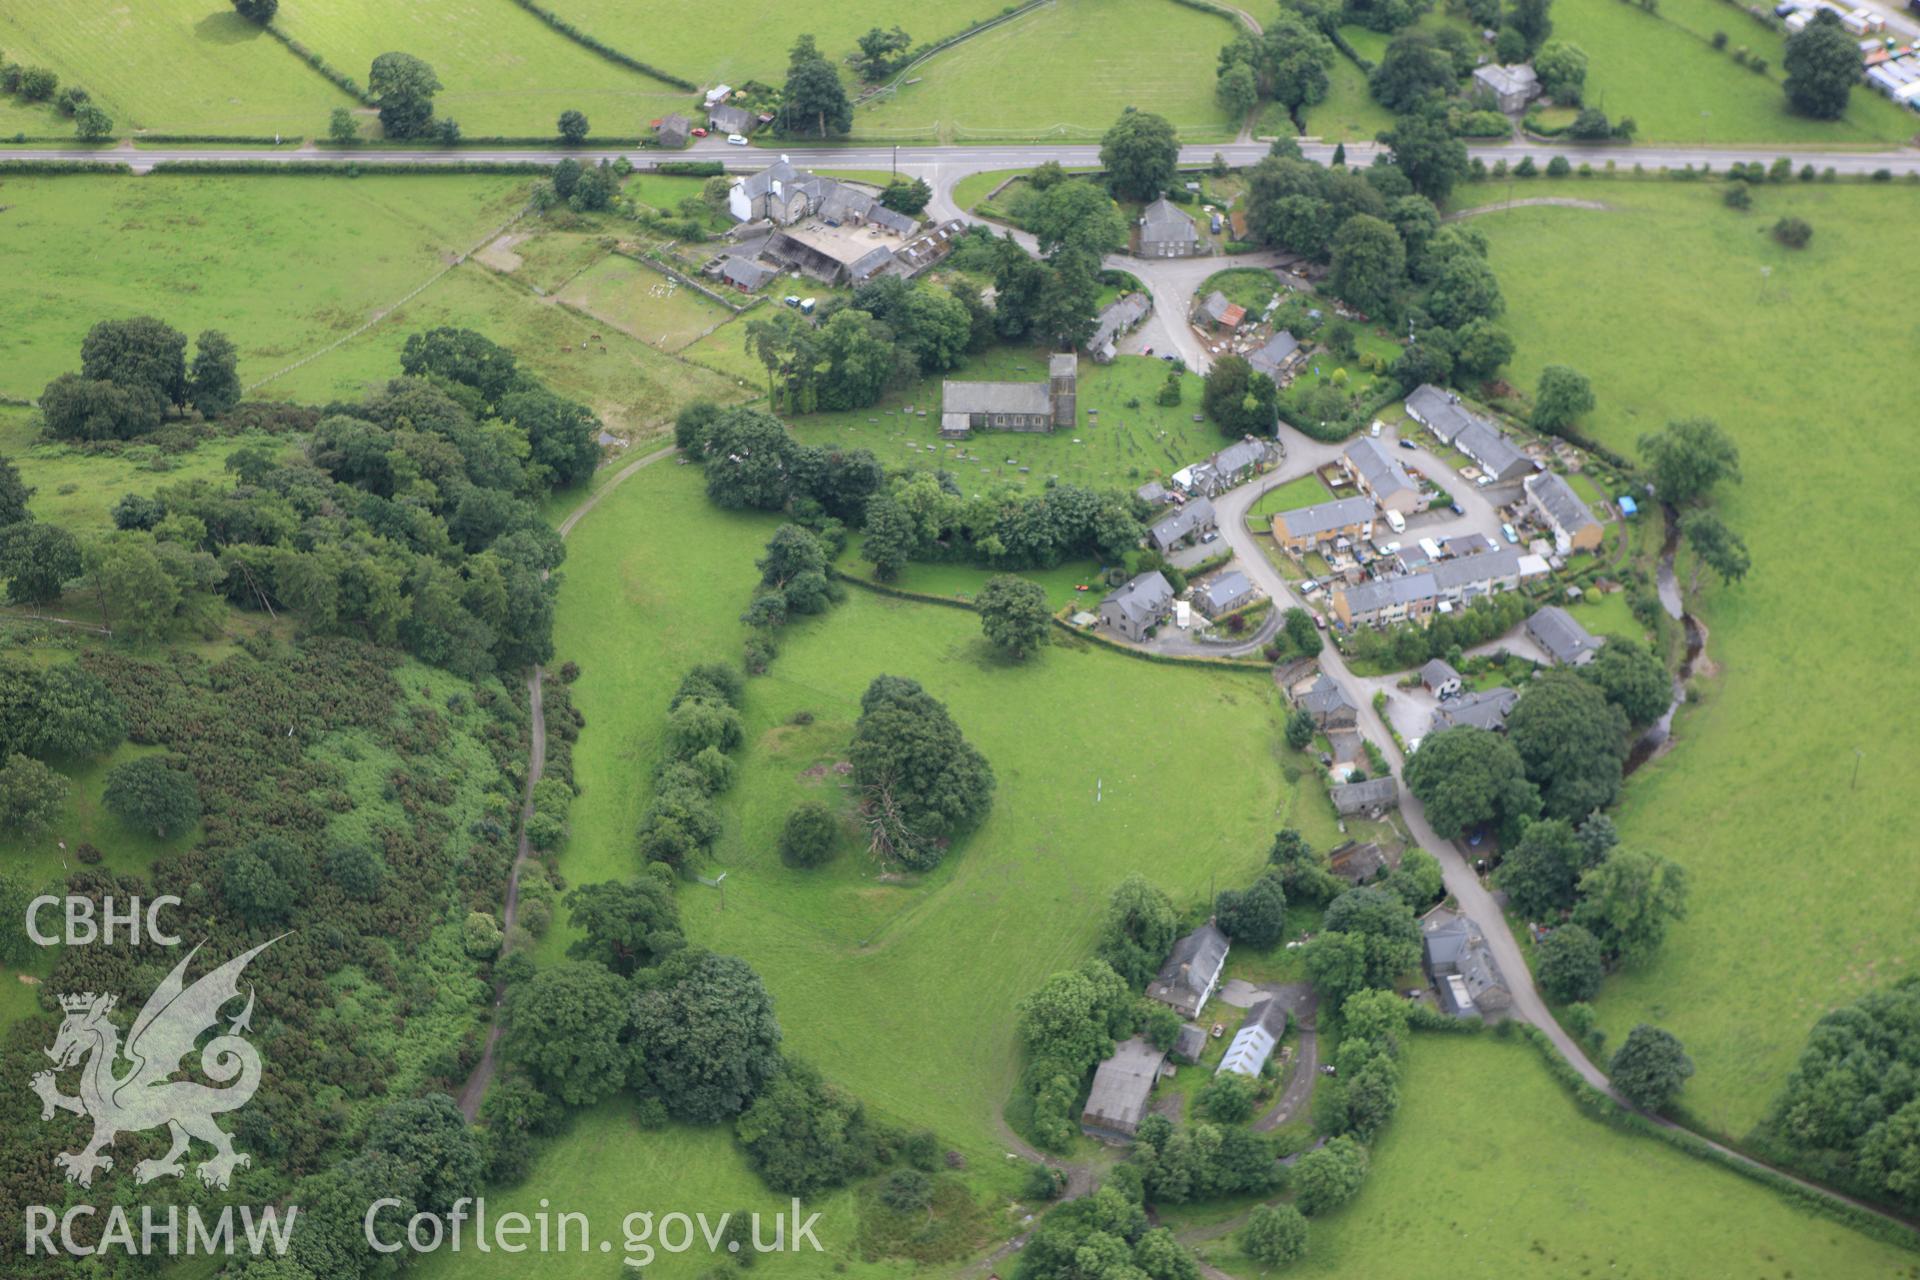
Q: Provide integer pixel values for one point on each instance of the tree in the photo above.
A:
(808, 837)
(711, 1040)
(892, 537)
(1236, 90)
(1304, 636)
(1632, 678)
(1329, 1177)
(153, 794)
(1302, 869)
(815, 103)
(1794, 233)
(358, 871)
(1483, 349)
(402, 87)
(1275, 1234)
(1464, 292)
(1300, 729)
(1562, 68)
(1240, 400)
(906, 195)
(1014, 614)
(1688, 458)
(1570, 964)
(1139, 931)
(260, 11)
(1650, 1068)
(1071, 1019)
(1561, 398)
(1468, 777)
(1257, 915)
(74, 715)
(880, 53)
(37, 84)
(15, 493)
(92, 123)
(595, 190)
(1541, 873)
(37, 560)
(342, 129)
(1822, 65)
(1426, 150)
(625, 925)
(31, 796)
(573, 127)
(1369, 262)
(1227, 1098)
(1715, 547)
(1413, 71)
(1573, 742)
(1386, 927)
(805, 1136)
(263, 879)
(1074, 216)
(1140, 153)
(569, 1029)
(1629, 900)
(141, 354)
(213, 387)
(1530, 18)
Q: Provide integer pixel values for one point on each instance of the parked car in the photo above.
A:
(736, 140)
(699, 133)
(1456, 508)
(1396, 521)
(1310, 586)
(1212, 535)
(1408, 444)
(1507, 531)
(1375, 431)
(1320, 621)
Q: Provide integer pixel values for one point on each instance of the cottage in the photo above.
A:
(1278, 356)
(746, 275)
(1461, 966)
(1193, 520)
(1226, 593)
(1492, 452)
(1190, 1044)
(1443, 585)
(966, 407)
(1566, 642)
(1256, 1040)
(1511, 87)
(1221, 313)
(1232, 466)
(1486, 710)
(1440, 679)
(1301, 530)
(1139, 606)
(729, 119)
(673, 132)
(1166, 232)
(1439, 411)
(1372, 796)
(1358, 863)
(1560, 509)
(1188, 977)
(1116, 320)
(1117, 1102)
(1328, 702)
(1379, 475)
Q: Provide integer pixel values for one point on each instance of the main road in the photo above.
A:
(945, 164)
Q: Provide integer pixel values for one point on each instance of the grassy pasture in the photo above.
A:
(644, 304)
(1804, 890)
(1349, 113)
(1064, 71)
(1662, 71)
(503, 70)
(1461, 1188)
(173, 66)
(1123, 447)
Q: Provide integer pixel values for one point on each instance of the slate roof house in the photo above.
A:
(1487, 710)
(1511, 87)
(1192, 969)
(1440, 411)
(728, 119)
(966, 407)
(1117, 1102)
(1254, 1043)
(1450, 583)
(1381, 477)
(1350, 798)
(1217, 311)
(1116, 319)
(1327, 701)
(832, 231)
(1234, 465)
(1492, 452)
(1188, 521)
(675, 131)
(1566, 642)
(1138, 606)
(1461, 966)
(1563, 511)
(1277, 356)
(1300, 531)
(1441, 680)
(1226, 593)
(1165, 232)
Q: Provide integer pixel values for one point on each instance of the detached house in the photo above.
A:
(1461, 966)
(1186, 980)
(1328, 702)
(1511, 87)
(1139, 606)
(1558, 507)
(1166, 232)
(1190, 521)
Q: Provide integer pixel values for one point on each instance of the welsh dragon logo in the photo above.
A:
(145, 1096)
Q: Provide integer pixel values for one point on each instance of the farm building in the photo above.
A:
(966, 407)
(1358, 863)
(1553, 500)
(1461, 966)
(1117, 1102)
(1165, 232)
(1440, 679)
(1137, 607)
(1220, 313)
(1190, 1044)
(1277, 356)
(1226, 593)
(1353, 798)
(1330, 705)
(746, 275)
(1511, 87)
(1187, 979)
(1566, 642)
(1380, 476)
(1301, 530)
(1116, 320)
(1188, 522)
(1486, 710)
(673, 132)
(1256, 1040)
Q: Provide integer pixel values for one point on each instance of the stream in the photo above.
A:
(1660, 733)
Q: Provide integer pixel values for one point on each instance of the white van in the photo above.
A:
(1396, 521)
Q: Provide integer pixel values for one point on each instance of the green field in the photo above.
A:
(1804, 889)
(1126, 445)
(1349, 113)
(1306, 491)
(503, 71)
(1064, 71)
(171, 66)
(644, 304)
(1489, 1170)
(1662, 71)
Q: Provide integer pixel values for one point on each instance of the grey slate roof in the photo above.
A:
(1121, 1086)
(1465, 571)
(730, 119)
(1117, 318)
(1568, 510)
(674, 131)
(1357, 863)
(1274, 353)
(1437, 672)
(1380, 469)
(1517, 77)
(996, 397)
(1191, 967)
(1564, 639)
(1153, 493)
(745, 273)
(1327, 696)
(1496, 455)
(1238, 456)
(1143, 599)
(1170, 528)
(1325, 517)
(1162, 221)
(1350, 798)
(1384, 593)
(1440, 410)
(1455, 949)
(1487, 710)
(1215, 305)
(1190, 1043)
(1442, 578)
(1225, 589)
